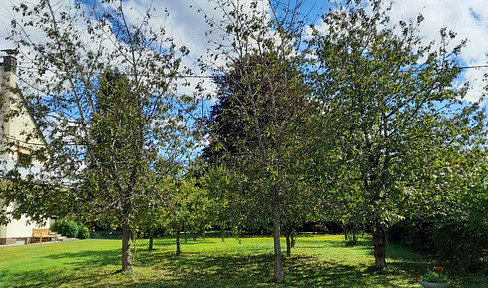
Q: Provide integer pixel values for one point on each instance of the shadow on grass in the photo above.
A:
(162, 268)
(53, 278)
(93, 258)
(200, 270)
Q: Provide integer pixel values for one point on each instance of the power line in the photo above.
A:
(181, 75)
(474, 67)
(211, 76)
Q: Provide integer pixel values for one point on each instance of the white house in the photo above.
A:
(18, 231)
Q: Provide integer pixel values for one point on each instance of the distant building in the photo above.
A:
(18, 231)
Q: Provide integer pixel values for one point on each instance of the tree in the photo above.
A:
(227, 209)
(116, 153)
(186, 205)
(227, 133)
(102, 93)
(265, 96)
(395, 108)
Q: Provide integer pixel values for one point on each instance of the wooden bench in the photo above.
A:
(40, 234)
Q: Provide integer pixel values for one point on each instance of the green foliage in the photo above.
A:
(83, 233)
(451, 237)
(108, 115)
(186, 208)
(457, 235)
(415, 233)
(66, 227)
(378, 133)
(435, 276)
(460, 244)
(256, 128)
(395, 127)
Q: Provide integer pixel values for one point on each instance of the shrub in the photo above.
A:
(415, 233)
(54, 226)
(460, 244)
(66, 227)
(435, 276)
(459, 241)
(84, 232)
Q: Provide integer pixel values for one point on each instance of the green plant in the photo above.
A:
(83, 233)
(435, 276)
(66, 227)
(460, 242)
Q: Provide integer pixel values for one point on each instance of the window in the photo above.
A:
(23, 156)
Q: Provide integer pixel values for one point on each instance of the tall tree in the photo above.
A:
(264, 98)
(395, 107)
(102, 93)
(116, 152)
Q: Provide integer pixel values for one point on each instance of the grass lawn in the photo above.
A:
(316, 261)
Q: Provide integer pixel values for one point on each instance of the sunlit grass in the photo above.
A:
(316, 261)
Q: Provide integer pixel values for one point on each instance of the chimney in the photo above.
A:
(9, 61)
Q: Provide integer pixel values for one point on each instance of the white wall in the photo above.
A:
(20, 228)
(12, 131)
(3, 228)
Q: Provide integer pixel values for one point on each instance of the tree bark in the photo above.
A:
(151, 243)
(178, 248)
(185, 235)
(126, 258)
(278, 266)
(379, 240)
(151, 240)
(222, 234)
(288, 246)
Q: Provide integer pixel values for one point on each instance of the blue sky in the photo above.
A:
(469, 18)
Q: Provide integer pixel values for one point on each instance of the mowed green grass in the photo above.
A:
(316, 261)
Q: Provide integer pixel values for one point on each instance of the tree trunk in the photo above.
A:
(288, 245)
(185, 235)
(292, 236)
(222, 234)
(379, 240)
(126, 258)
(151, 240)
(203, 235)
(278, 267)
(178, 248)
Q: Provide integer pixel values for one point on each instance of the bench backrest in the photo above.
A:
(40, 232)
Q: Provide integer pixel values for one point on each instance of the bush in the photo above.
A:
(66, 227)
(458, 241)
(416, 233)
(460, 244)
(84, 232)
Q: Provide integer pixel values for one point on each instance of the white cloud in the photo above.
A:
(187, 26)
(183, 21)
(468, 18)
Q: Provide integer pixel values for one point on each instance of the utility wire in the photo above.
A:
(474, 67)
(184, 76)
(210, 76)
